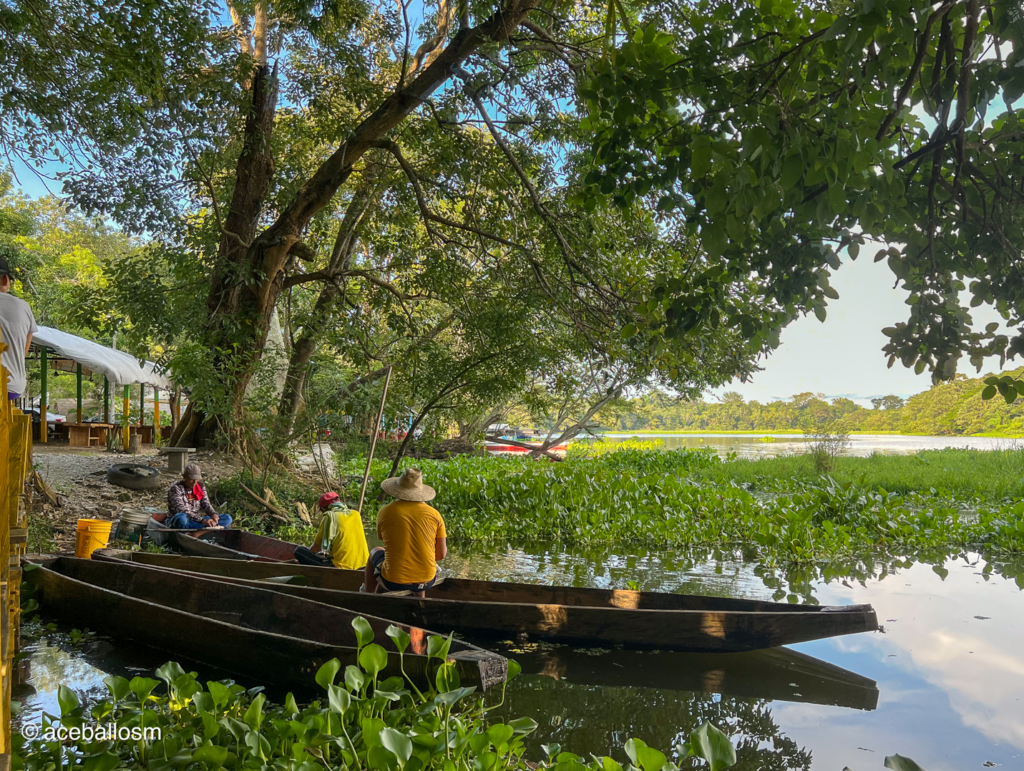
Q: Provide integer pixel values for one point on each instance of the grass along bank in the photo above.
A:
(690, 498)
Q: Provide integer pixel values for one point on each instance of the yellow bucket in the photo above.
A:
(92, 534)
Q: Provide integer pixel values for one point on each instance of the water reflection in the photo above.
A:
(588, 718)
(861, 445)
(949, 662)
(946, 672)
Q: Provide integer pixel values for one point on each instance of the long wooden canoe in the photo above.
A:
(607, 617)
(248, 630)
(232, 544)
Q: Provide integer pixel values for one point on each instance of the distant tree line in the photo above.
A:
(949, 409)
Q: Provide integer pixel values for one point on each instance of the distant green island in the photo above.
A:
(948, 409)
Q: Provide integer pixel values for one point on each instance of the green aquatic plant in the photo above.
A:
(361, 723)
(687, 499)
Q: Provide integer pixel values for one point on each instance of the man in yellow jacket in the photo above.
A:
(340, 535)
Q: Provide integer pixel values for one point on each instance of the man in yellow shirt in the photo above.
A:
(414, 538)
(340, 533)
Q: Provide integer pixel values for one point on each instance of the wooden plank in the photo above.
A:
(694, 624)
(252, 631)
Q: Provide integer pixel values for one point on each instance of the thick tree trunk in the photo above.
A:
(250, 272)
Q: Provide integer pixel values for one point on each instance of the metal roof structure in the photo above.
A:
(118, 367)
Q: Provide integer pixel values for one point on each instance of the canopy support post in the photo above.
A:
(142, 403)
(156, 416)
(106, 400)
(78, 376)
(126, 435)
(42, 394)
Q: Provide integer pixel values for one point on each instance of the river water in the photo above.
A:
(861, 445)
(943, 683)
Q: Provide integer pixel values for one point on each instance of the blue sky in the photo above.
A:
(843, 356)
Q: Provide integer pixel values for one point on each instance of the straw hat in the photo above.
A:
(408, 487)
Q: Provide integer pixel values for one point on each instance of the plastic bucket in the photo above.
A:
(92, 534)
(132, 525)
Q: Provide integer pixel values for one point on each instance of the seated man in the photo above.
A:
(341, 532)
(188, 503)
(414, 538)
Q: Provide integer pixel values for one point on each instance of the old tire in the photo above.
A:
(134, 476)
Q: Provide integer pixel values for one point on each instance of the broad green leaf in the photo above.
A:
(644, 757)
(118, 687)
(398, 743)
(67, 700)
(399, 636)
(710, 743)
(328, 671)
(339, 699)
(212, 756)
(142, 687)
(364, 632)
(254, 714)
(373, 659)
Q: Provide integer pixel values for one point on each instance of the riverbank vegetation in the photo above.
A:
(954, 408)
(360, 722)
(779, 513)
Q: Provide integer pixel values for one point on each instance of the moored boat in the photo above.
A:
(620, 617)
(248, 630)
(232, 544)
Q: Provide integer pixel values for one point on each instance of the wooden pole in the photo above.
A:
(142, 403)
(373, 441)
(78, 376)
(156, 416)
(126, 433)
(106, 400)
(42, 394)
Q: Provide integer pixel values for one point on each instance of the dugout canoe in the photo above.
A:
(604, 617)
(231, 544)
(248, 630)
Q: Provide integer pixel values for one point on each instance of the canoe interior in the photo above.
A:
(259, 609)
(487, 591)
(233, 544)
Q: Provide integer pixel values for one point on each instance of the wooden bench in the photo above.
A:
(177, 457)
(87, 434)
(145, 433)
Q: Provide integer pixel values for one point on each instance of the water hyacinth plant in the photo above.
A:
(686, 498)
(362, 723)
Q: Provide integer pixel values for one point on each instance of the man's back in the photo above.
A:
(16, 323)
(409, 531)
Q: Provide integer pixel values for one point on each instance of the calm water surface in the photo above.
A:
(943, 683)
(753, 445)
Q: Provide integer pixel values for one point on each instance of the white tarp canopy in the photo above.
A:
(120, 368)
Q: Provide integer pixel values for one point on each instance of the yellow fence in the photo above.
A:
(15, 462)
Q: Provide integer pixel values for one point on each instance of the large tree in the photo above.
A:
(741, 143)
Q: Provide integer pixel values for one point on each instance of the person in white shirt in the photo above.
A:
(17, 325)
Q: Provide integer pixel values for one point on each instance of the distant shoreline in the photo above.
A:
(793, 432)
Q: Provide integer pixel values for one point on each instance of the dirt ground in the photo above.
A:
(79, 476)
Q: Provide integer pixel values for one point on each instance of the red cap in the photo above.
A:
(327, 499)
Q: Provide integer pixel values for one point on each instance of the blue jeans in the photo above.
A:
(180, 521)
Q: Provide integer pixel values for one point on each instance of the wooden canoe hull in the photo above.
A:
(483, 609)
(232, 544)
(251, 631)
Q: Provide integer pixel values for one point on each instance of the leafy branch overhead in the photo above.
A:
(782, 133)
(655, 186)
